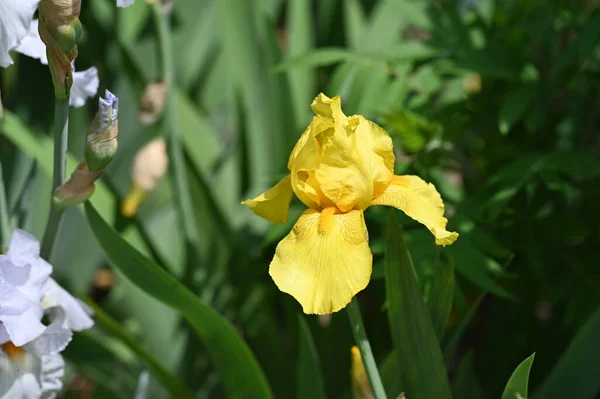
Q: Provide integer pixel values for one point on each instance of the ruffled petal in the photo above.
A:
(52, 372)
(54, 339)
(274, 203)
(85, 85)
(15, 21)
(420, 201)
(324, 261)
(32, 44)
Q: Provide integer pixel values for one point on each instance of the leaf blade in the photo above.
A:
(419, 358)
(246, 378)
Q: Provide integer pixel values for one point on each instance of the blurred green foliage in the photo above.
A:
(495, 102)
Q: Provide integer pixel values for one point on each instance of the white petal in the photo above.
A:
(25, 327)
(142, 387)
(125, 3)
(52, 371)
(13, 273)
(12, 301)
(23, 386)
(32, 45)
(76, 314)
(4, 338)
(85, 85)
(22, 243)
(53, 340)
(15, 19)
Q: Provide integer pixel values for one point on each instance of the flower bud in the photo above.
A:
(79, 188)
(149, 166)
(361, 389)
(153, 102)
(60, 29)
(101, 141)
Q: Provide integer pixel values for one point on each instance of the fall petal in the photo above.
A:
(274, 203)
(324, 261)
(420, 201)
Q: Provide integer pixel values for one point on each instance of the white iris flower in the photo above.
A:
(19, 32)
(29, 362)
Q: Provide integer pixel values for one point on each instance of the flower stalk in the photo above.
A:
(360, 336)
(4, 221)
(61, 138)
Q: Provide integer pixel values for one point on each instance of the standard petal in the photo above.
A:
(22, 244)
(274, 203)
(85, 85)
(15, 20)
(324, 261)
(420, 201)
(76, 315)
(32, 45)
(125, 3)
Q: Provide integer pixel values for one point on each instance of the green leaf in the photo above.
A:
(421, 370)
(242, 377)
(170, 381)
(514, 107)
(316, 58)
(440, 299)
(310, 377)
(451, 347)
(576, 375)
(516, 387)
(302, 80)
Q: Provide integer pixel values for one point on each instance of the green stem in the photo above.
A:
(4, 220)
(182, 189)
(59, 174)
(360, 336)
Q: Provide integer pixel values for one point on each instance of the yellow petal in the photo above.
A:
(340, 161)
(274, 203)
(378, 151)
(420, 201)
(324, 261)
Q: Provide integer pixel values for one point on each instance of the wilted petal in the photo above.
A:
(32, 45)
(324, 261)
(85, 85)
(125, 3)
(76, 313)
(420, 201)
(15, 21)
(274, 203)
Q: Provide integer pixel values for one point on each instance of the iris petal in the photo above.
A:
(324, 261)
(274, 203)
(420, 201)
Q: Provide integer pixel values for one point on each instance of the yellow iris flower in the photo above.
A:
(340, 166)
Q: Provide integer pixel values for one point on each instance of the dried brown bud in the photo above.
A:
(60, 30)
(78, 188)
(153, 102)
